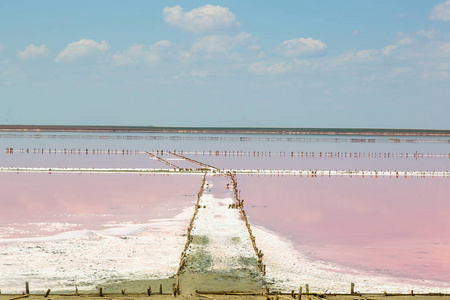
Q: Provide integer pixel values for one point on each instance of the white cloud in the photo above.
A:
(205, 18)
(441, 11)
(445, 48)
(81, 48)
(200, 73)
(262, 68)
(223, 43)
(388, 50)
(142, 53)
(405, 40)
(366, 55)
(302, 47)
(32, 52)
(429, 34)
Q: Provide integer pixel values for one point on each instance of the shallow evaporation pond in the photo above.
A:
(88, 201)
(393, 226)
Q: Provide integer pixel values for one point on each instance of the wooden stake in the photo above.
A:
(307, 291)
(46, 294)
(27, 288)
(101, 292)
(299, 293)
(174, 290)
(160, 288)
(352, 288)
(123, 292)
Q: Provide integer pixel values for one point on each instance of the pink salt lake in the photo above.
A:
(89, 201)
(394, 226)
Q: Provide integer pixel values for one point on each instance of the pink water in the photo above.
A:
(394, 226)
(89, 200)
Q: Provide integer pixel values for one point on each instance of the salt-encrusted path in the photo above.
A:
(221, 244)
(220, 239)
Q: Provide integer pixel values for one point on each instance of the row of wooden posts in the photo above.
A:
(362, 173)
(240, 205)
(191, 160)
(179, 153)
(189, 236)
(312, 154)
(162, 160)
(73, 151)
(175, 291)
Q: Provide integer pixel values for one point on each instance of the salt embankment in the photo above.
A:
(221, 241)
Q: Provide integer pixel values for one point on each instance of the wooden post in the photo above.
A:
(307, 291)
(299, 293)
(352, 288)
(174, 290)
(149, 291)
(76, 291)
(27, 288)
(101, 292)
(160, 288)
(412, 293)
(46, 294)
(123, 292)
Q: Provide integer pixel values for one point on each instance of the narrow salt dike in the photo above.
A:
(220, 246)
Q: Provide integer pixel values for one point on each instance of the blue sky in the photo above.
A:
(353, 63)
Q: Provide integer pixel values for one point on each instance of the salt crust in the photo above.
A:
(87, 258)
(228, 238)
(8, 230)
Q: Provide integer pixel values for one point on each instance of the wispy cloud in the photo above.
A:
(302, 47)
(142, 53)
(263, 68)
(224, 43)
(205, 18)
(33, 52)
(429, 34)
(365, 55)
(81, 48)
(441, 11)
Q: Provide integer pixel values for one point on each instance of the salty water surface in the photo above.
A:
(393, 226)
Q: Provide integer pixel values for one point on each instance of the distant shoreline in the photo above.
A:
(227, 130)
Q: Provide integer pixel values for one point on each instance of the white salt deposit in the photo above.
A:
(227, 235)
(86, 257)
